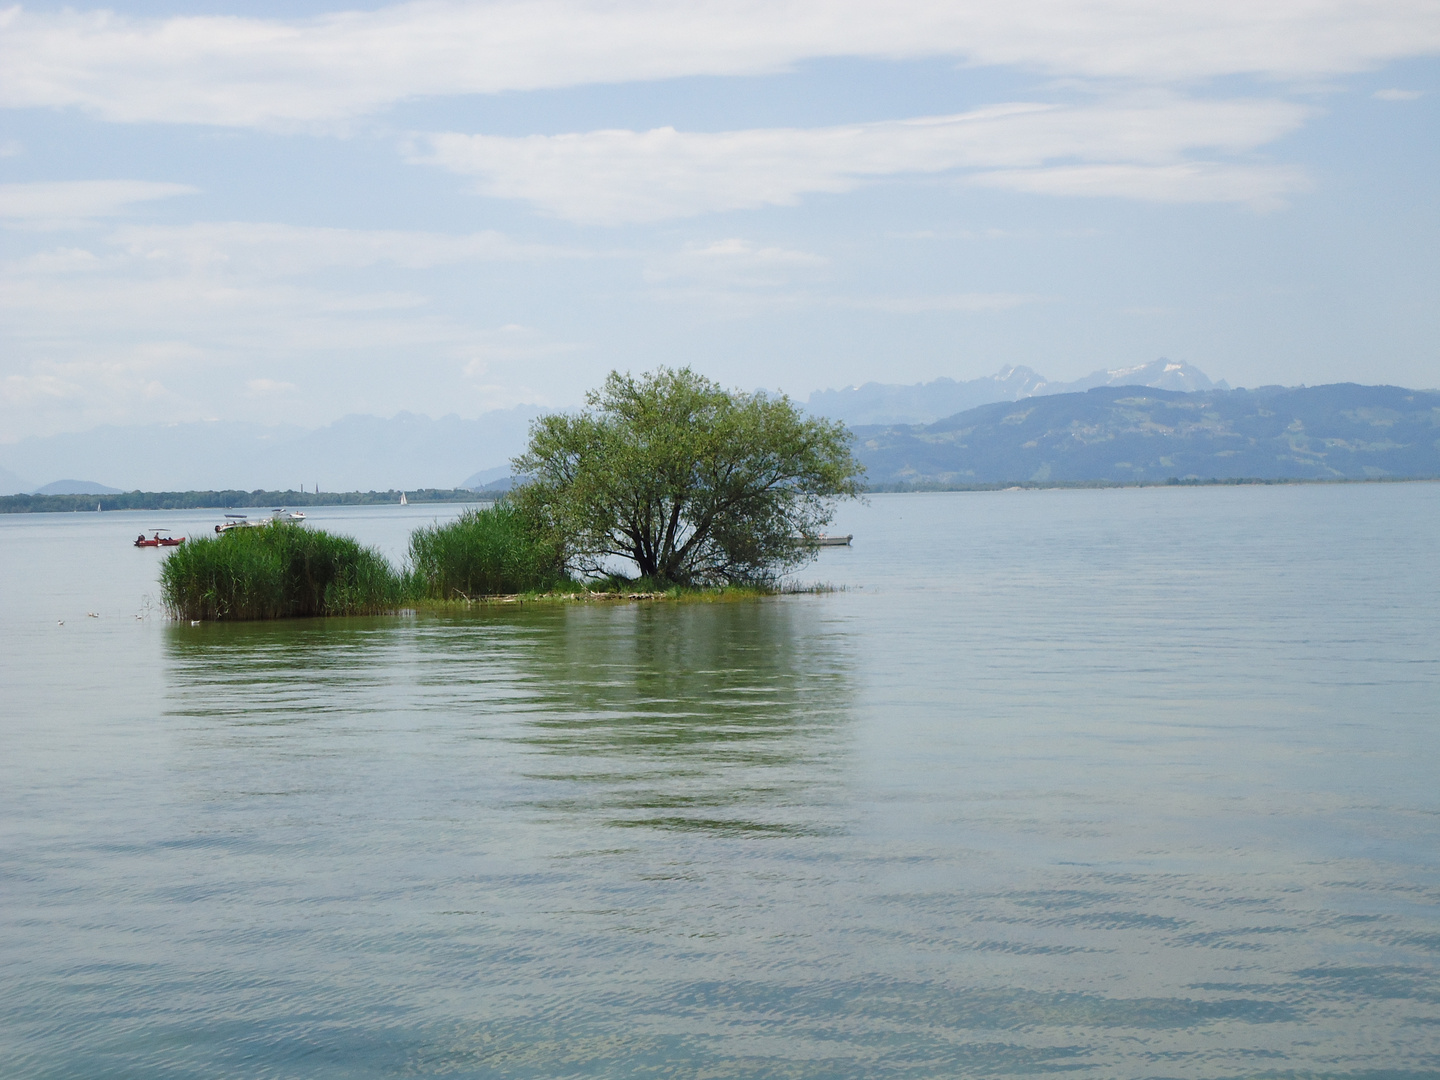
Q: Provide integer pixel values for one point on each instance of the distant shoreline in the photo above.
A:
(232, 499)
(229, 499)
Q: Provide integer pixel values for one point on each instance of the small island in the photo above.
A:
(701, 491)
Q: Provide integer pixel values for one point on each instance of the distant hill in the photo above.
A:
(924, 403)
(1188, 427)
(75, 487)
(494, 487)
(921, 403)
(403, 452)
(496, 479)
(1134, 433)
(10, 484)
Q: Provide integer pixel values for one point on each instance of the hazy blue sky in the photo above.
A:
(295, 211)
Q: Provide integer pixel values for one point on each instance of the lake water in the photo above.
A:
(1129, 783)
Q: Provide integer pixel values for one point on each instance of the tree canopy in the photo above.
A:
(692, 483)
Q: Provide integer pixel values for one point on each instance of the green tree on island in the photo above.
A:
(694, 484)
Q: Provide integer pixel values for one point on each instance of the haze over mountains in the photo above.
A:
(941, 432)
(1127, 433)
(409, 451)
(361, 453)
(924, 403)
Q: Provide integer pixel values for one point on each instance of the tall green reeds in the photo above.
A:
(277, 571)
(283, 570)
(483, 552)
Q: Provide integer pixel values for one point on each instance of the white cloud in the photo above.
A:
(970, 302)
(269, 387)
(1263, 187)
(110, 302)
(123, 347)
(68, 201)
(162, 322)
(102, 386)
(493, 349)
(511, 365)
(614, 177)
(734, 251)
(276, 249)
(1396, 95)
(234, 280)
(121, 306)
(224, 260)
(65, 260)
(265, 72)
(734, 263)
(992, 234)
(737, 278)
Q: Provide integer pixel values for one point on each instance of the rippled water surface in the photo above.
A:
(1136, 783)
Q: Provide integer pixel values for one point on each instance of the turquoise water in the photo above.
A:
(1136, 783)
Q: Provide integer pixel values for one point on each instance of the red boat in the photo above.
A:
(159, 538)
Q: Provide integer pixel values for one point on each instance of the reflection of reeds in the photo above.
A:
(724, 720)
(277, 571)
(486, 552)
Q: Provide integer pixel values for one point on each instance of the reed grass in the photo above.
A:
(284, 570)
(489, 551)
(277, 571)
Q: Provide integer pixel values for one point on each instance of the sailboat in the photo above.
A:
(403, 501)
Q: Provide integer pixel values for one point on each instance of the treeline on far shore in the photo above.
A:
(225, 500)
(232, 498)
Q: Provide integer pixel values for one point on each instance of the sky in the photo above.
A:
(294, 212)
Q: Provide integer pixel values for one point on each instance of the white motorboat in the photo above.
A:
(235, 521)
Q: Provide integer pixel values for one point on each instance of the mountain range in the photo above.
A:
(1154, 421)
(408, 451)
(361, 453)
(924, 403)
(1130, 433)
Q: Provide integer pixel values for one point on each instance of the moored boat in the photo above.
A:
(242, 521)
(159, 538)
(235, 521)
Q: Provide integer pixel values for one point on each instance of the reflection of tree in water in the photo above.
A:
(282, 671)
(725, 717)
